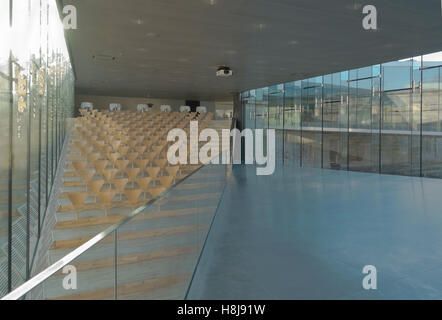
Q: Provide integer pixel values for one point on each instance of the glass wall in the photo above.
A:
(276, 117)
(292, 123)
(36, 97)
(384, 118)
(430, 156)
(311, 122)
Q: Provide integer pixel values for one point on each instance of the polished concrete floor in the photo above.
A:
(307, 234)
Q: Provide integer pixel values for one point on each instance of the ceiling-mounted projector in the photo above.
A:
(224, 72)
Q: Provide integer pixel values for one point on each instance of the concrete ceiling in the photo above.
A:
(172, 48)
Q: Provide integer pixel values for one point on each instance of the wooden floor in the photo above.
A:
(157, 250)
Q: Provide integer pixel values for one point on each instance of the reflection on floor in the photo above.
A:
(307, 234)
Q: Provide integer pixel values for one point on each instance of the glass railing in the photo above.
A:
(150, 254)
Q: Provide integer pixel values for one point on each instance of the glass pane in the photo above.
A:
(20, 139)
(363, 126)
(261, 103)
(335, 119)
(90, 276)
(396, 132)
(249, 111)
(312, 122)
(4, 144)
(416, 118)
(292, 123)
(431, 116)
(276, 104)
(276, 117)
(396, 142)
(42, 112)
(397, 75)
(158, 250)
(34, 126)
(36, 33)
(262, 112)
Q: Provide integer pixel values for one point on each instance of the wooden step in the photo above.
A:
(171, 213)
(85, 222)
(149, 233)
(133, 258)
(5, 214)
(129, 288)
(87, 207)
(73, 183)
(70, 174)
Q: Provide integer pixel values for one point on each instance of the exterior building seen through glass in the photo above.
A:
(384, 118)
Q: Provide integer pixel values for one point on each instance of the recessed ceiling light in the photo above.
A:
(138, 21)
(260, 26)
(103, 57)
(354, 6)
(293, 42)
(151, 34)
(211, 2)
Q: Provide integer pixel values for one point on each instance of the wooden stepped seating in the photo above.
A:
(117, 162)
(132, 154)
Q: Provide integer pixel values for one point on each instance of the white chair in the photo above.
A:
(87, 105)
(142, 107)
(165, 108)
(184, 109)
(115, 107)
(201, 109)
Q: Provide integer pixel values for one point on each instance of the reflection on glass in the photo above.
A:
(262, 113)
(5, 91)
(431, 116)
(20, 139)
(34, 47)
(384, 118)
(335, 121)
(292, 123)
(276, 117)
(311, 121)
